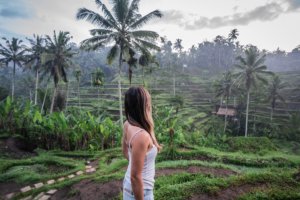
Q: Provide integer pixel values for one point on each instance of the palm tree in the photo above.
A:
(274, 93)
(223, 90)
(57, 58)
(234, 33)
(178, 46)
(34, 59)
(251, 69)
(13, 51)
(119, 27)
(97, 80)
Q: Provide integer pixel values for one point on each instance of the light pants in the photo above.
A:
(128, 194)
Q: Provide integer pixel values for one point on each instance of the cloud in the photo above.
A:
(14, 9)
(294, 5)
(267, 12)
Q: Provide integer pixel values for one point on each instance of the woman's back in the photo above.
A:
(148, 171)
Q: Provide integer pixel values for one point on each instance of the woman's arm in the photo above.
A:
(139, 149)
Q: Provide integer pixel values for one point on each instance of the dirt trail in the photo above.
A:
(195, 170)
(15, 148)
(9, 187)
(90, 190)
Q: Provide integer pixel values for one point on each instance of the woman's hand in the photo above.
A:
(139, 148)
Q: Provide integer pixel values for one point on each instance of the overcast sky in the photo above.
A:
(266, 23)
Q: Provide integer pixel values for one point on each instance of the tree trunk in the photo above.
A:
(221, 101)
(13, 83)
(247, 113)
(44, 99)
(272, 108)
(120, 90)
(225, 121)
(36, 86)
(53, 99)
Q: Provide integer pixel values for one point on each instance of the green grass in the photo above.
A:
(274, 169)
(41, 168)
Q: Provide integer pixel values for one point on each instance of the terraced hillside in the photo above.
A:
(197, 94)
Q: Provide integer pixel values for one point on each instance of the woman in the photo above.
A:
(139, 145)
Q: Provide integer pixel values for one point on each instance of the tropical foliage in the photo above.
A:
(68, 131)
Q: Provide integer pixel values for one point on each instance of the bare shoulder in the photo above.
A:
(142, 140)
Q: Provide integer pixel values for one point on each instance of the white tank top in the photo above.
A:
(148, 171)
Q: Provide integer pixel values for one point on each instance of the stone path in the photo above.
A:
(47, 195)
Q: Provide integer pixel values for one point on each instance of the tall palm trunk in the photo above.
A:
(272, 109)
(247, 113)
(221, 101)
(44, 99)
(37, 81)
(13, 82)
(53, 99)
(120, 89)
(36, 86)
(225, 121)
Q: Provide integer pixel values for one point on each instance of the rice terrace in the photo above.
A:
(223, 79)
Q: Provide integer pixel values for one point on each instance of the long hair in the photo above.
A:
(138, 110)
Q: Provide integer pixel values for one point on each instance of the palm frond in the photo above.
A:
(239, 66)
(242, 60)
(143, 20)
(145, 34)
(112, 54)
(107, 14)
(132, 11)
(120, 10)
(260, 61)
(261, 68)
(100, 32)
(262, 79)
(148, 45)
(93, 40)
(93, 18)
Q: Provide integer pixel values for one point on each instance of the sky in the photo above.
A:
(268, 24)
